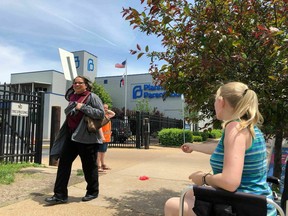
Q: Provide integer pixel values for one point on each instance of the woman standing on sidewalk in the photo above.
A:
(239, 161)
(76, 140)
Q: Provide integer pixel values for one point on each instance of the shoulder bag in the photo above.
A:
(94, 125)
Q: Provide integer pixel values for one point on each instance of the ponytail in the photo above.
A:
(245, 104)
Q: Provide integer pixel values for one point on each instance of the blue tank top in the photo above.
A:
(255, 167)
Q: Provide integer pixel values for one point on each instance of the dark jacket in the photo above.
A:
(94, 109)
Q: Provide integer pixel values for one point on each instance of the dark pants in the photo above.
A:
(88, 156)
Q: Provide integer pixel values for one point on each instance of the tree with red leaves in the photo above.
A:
(208, 43)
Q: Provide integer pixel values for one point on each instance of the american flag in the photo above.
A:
(122, 82)
(122, 65)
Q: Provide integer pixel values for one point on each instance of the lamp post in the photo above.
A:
(125, 97)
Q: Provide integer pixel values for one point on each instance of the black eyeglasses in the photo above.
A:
(79, 83)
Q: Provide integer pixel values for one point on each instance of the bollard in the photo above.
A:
(146, 127)
(55, 127)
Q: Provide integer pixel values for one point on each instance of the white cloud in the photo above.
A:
(63, 21)
(31, 32)
(13, 60)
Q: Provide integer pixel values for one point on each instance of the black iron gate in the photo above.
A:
(132, 132)
(21, 125)
(124, 133)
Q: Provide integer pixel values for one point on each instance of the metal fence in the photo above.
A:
(21, 125)
(132, 132)
(157, 122)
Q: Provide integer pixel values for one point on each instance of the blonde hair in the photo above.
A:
(245, 104)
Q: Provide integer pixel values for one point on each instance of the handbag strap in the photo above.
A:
(85, 97)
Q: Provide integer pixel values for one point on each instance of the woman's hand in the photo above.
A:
(197, 177)
(187, 147)
(78, 106)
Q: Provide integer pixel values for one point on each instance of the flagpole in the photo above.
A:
(125, 94)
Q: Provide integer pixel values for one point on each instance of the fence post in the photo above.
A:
(138, 130)
(39, 128)
(55, 127)
(146, 126)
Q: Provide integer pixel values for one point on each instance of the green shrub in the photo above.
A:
(204, 135)
(174, 136)
(215, 133)
(197, 138)
(196, 133)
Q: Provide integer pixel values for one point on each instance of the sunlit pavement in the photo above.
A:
(166, 171)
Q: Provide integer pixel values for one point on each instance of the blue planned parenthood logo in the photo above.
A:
(77, 61)
(150, 91)
(137, 92)
(90, 65)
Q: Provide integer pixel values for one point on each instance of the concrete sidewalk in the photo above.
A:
(121, 191)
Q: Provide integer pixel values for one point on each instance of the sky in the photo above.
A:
(31, 32)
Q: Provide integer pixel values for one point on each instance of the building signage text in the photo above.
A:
(150, 91)
(19, 109)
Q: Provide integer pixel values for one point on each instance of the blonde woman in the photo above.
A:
(239, 159)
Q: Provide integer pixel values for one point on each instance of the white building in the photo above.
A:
(54, 85)
(139, 87)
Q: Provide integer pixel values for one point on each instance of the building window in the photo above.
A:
(37, 89)
(105, 81)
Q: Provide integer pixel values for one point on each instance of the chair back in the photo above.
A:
(231, 203)
(284, 198)
(210, 201)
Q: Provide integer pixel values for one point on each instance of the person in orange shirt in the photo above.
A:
(105, 132)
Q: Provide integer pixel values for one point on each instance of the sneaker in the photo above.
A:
(54, 200)
(88, 197)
